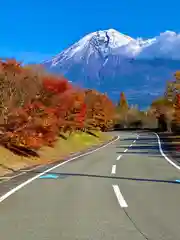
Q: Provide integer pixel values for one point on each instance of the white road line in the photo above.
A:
(130, 145)
(118, 157)
(22, 172)
(134, 141)
(126, 150)
(164, 155)
(12, 191)
(119, 196)
(137, 136)
(113, 169)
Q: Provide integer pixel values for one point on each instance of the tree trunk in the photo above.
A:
(169, 129)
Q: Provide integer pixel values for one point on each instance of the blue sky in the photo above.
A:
(35, 30)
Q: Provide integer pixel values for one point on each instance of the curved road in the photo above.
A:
(91, 201)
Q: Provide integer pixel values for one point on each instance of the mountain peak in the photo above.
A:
(101, 42)
(114, 38)
(104, 43)
(117, 33)
(110, 61)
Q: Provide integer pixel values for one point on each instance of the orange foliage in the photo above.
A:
(56, 85)
(123, 105)
(37, 117)
(100, 110)
(177, 110)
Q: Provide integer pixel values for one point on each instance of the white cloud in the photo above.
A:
(166, 45)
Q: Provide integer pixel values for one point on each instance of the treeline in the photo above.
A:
(131, 117)
(167, 108)
(36, 107)
(163, 114)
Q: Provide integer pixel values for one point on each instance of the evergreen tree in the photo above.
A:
(123, 104)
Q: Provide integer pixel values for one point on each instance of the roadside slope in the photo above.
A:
(11, 163)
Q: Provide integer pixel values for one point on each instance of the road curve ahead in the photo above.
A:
(105, 195)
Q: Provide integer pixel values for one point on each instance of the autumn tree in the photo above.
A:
(122, 110)
(163, 110)
(169, 92)
(123, 104)
(172, 87)
(36, 107)
(134, 117)
(100, 110)
(164, 105)
(176, 119)
(177, 75)
(17, 87)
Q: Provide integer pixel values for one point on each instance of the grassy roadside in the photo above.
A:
(10, 162)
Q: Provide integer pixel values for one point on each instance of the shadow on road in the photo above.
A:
(142, 146)
(63, 175)
(171, 145)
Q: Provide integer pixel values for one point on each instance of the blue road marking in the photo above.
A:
(49, 176)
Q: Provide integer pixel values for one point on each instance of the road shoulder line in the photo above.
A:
(13, 190)
(164, 155)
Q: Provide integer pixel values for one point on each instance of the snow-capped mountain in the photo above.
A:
(112, 62)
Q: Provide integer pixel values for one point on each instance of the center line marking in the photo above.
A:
(113, 169)
(119, 157)
(119, 196)
(125, 150)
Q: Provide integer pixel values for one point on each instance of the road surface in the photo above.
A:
(91, 201)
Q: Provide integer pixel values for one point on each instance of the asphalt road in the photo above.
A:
(91, 201)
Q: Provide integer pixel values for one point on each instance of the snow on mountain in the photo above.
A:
(111, 41)
(101, 41)
(111, 61)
